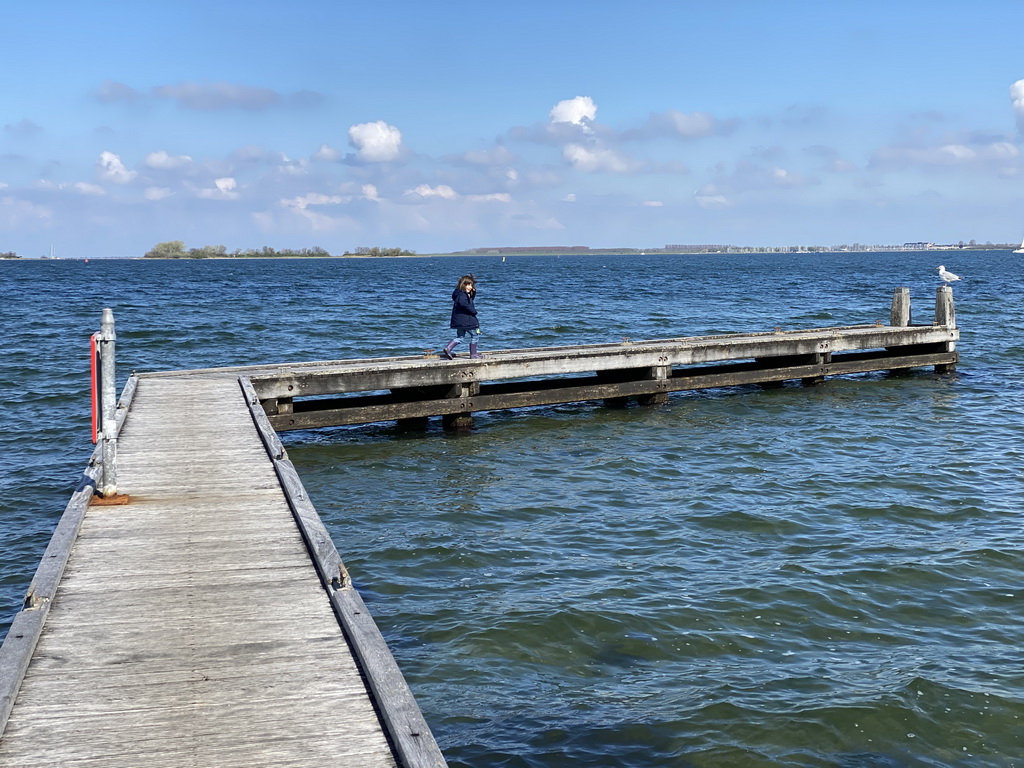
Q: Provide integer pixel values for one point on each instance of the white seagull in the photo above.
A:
(946, 276)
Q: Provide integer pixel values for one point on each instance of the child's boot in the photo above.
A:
(446, 353)
(474, 354)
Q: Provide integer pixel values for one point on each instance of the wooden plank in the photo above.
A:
(413, 740)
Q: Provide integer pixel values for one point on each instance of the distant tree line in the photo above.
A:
(9, 255)
(375, 251)
(175, 249)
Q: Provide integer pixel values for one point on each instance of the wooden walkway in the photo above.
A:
(190, 628)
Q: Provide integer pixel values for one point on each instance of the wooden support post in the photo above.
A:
(657, 373)
(457, 422)
(822, 359)
(945, 315)
(275, 406)
(463, 421)
(899, 314)
(617, 376)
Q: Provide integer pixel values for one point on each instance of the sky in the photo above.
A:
(450, 125)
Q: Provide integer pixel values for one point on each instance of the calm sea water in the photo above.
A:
(828, 576)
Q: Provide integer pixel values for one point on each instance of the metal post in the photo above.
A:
(108, 404)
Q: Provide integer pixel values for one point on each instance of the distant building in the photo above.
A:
(676, 248)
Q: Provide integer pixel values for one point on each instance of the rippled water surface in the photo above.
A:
(826, 576)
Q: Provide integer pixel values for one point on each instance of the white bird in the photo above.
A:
(946, 276)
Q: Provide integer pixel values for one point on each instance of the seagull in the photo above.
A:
(947, 277)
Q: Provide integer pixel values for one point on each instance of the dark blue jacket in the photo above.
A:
(463, 313)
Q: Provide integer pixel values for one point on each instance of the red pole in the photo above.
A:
(93, 360)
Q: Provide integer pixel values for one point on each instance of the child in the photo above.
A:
(464, 320)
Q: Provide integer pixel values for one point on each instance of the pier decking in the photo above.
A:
(209, 621)
(190, 627)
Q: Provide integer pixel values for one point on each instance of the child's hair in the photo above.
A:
(466, 280)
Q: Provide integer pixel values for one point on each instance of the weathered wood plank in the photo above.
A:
(413, 739)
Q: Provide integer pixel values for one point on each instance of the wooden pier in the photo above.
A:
(412, 389)
(210, 621)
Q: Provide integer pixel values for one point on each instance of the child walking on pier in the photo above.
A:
(464, 321)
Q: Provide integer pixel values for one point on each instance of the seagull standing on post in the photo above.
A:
(946, 276)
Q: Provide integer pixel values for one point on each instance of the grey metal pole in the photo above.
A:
(108, 404)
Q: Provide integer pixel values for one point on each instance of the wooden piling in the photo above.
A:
(945, 316)
(899, 313)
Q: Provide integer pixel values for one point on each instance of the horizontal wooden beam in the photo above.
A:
(350, 410)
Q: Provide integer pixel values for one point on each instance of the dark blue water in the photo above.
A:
(826, 576)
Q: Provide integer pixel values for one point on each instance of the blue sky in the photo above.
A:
(453, 125)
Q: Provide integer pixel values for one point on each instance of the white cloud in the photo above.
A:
(370, 192)
(290, 167)
(313, 198)
(89, 189)
(223, 189)
(16, 213)
(496, 197)
(711, 198)
(110, 91)
(692, 125)
(161, 160)
(994, 153)
(156, 193)
(679, 125)
(594, 160)
(578, 111)
(441, 190)
(1001, 150)
(653, 203)
(1017, 99)
(213, 96)
(957, 152)
(376, 142)
(569, 198)
(327, 154)
(499, 155)
(110, 168)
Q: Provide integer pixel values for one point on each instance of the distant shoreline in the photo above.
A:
(756, 251)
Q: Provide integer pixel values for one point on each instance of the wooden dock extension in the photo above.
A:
(189, 627)
(413, 389)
